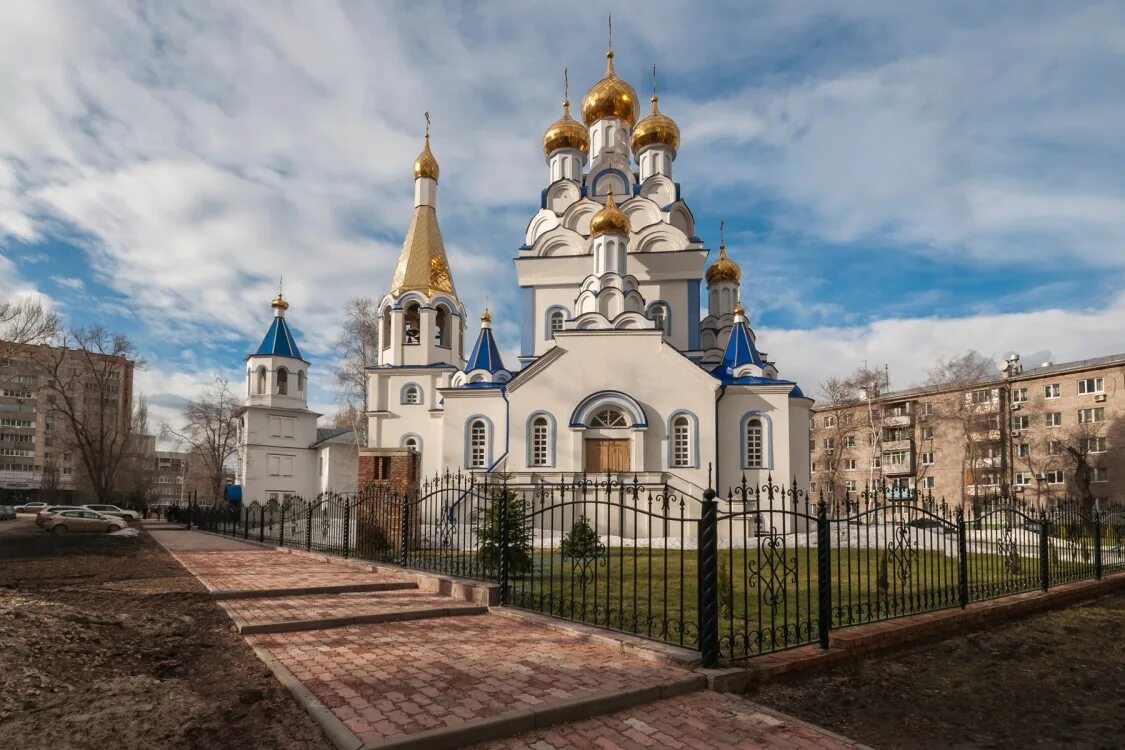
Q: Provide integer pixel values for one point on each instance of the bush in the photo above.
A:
(519, 536)
(582, 541)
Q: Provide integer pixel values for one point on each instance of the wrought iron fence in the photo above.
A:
(762, 569)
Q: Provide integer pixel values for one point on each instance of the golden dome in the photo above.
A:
(723, 269)
(486, 316)
(609, 219)
(279, 303)
(566, 132)
(740, 310)
(426, 165)
(610, 97)
(656, 128)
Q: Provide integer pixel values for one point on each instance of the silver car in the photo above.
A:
(42, 516)
(68, 521)
(113, 510)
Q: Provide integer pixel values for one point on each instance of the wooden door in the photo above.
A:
(607, 455)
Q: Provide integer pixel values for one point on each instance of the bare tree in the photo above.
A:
(961, 370)
(210, 430)
(84, 376)
(359, 342)
(841, 430)
(24, 323)
(138, 475)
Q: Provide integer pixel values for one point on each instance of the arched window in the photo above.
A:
(412, 324)
(441, 326)
(387, 328)
(608, 418)
(262, 380)
(681, 441)
(300, 381)
(659, 317)
(557, 319)
(478, 444)
(755, 444)
(411, 444)
(411, 394)
(282, 382)
(540, 442)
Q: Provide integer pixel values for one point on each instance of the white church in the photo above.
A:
(619, 369)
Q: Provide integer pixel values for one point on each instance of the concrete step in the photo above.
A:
(343, 588)
(323, 611)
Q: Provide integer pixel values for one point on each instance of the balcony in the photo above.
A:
(985, 436)
(898, 420)
(900, 469)
(893, 446)
(989, 462)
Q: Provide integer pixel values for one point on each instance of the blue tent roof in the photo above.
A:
(740, 349)
(486, 355)
(279, 341)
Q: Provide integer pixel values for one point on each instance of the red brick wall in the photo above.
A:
(388, 479)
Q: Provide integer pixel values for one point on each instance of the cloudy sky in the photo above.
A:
(900, 181)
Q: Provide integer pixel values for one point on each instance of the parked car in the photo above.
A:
(30, 507)
(68, 521)
(113, 510)
(7, 513)
(42, 516)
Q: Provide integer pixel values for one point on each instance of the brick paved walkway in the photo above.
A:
(445, 681)
(698, 721)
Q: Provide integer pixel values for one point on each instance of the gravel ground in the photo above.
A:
(1052, 680)
(109, 642)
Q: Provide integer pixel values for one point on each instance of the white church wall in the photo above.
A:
(337, 467)
(462, 407)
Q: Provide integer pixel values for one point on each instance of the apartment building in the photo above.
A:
(1019, 430)
(37, 459)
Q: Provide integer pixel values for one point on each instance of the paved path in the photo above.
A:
(406, 667)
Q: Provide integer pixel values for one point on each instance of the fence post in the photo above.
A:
(405, 528)
(823, 572)
(347, 523)
(189, 512)
(962, 559)
(262, 525)
(281, 528)
(1097, 544)
(1044, 551)
(503, 572)
(245, 510)
(308, 529)
(708, 584)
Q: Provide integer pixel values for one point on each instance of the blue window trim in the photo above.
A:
(667, 314)
(407, 436)
(616, 399)
(487, 441)
(767, 439)
(547, 320)
(551, 436)
(693, 439)
(402, 394)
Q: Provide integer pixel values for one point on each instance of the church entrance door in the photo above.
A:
(607, 456)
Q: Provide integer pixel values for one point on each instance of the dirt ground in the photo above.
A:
(109, 643)
(1056, 679)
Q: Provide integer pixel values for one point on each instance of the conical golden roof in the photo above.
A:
(566, 132)
(610, 97)
(609, 219)
(422, 266)
(656, 128)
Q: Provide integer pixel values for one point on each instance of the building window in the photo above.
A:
(754, 443)
(411, 444)
(849, 441)
(850, 464)
(681, 441)
(540, 441)
(927, 433)
(1023, 478)
(829, 444)
(1091, 415)
(441, 326)
(1055, 476)
(386, 339)
(1052, 391)
(660, 317)
(830, 420)
(928, 458)
(875, 462)
(849, 485)
(927, 408)
(1023, 450)
(262, 380)
(282, 382)
(1094, 445)
(1091, 385)
(982, 396)
(478, 444)
(1100, 474)
(412, 324)
(1054, 419)
(1019, 395)
(279, 465)
(608, 418)
(411, 394)
(1021, 423)
(1054, 448)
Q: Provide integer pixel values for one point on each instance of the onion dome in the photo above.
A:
(279, 303)
(723, 269)
(566, 132)
(486, 316)
(426, 165)
(610, 97)
(656, 129)
(739, 310)
(609, 219)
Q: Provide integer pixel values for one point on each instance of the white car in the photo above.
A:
(30, 507)
(113, 510)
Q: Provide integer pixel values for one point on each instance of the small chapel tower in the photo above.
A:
(276, 375)
(422, 318)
